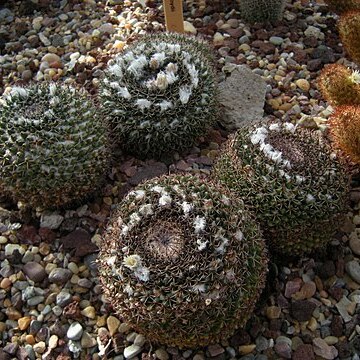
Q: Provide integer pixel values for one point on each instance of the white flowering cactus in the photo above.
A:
(160, 94)
(292, 180)
(53, 148)
(182, 262)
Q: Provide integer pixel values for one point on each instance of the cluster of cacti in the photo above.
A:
(345, 131)
(291, 179)
(261, 10)
(342, 6)
(53, 148)
(182, 262)
(340, 85)
(160, 94)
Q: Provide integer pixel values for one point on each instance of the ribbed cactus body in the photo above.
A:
(53, 147)
(342, 6)
(349, 30)
(160, 94)
(261, 10)
(291, 179)
(182, 262)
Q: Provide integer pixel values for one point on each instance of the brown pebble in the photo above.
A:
(24, 322)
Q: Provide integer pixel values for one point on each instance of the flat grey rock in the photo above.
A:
(242, 98)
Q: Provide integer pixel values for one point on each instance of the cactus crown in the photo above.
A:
(261, 10)
(160, 94)
(340, 85)
(180, 247)
(53, 147)
(292, 181)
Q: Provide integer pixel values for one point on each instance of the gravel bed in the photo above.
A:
(50, 299)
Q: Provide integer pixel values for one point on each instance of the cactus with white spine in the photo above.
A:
(160, 94)
(54, 147)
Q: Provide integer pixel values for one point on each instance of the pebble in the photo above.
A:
(246, 349)
(59, 275)
(51, 221)
(87, 341)
(75, 331)
(273, 312)
(354, 243)
(39, 347)
(353, 269)
(89, 312)
(113, 324)
(34, 271)
(321, 348)
(131, 351)
(303, 84)
(24, 322)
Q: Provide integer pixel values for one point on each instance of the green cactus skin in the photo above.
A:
(293, 182)
(160, 94)
(342, 6)
(182, 262)
(261, 10)
(53, 148)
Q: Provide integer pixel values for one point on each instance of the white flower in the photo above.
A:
(143, 104)
(115, 70)
(137, 65)
(157, 189)
(274, 127)
(221, 248)
(124, 92)
(164, 105)
(161, 81)
(142, 273)
(186, 207)
(258, 135)
(171, 67)
(184, 94)
(165, 200)
(132, 261)
(199, 224)
(146, 210)
(289, 127)
(159, 57)
(355, 76)
(171, 77)
(134, 218)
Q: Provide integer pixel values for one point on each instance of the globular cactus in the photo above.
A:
(261, 10)
(160, 94)
(340, 85)
(182, 262)
(349, 30)
(292, 181)
(342, 6)
(53, 148)
(345, 131)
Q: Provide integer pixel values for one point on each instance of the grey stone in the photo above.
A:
(342, 306)
(321, 348)
(59, 275)
(63, 298)
(353, 269)
(131, 351)
(51, 221)
(36, 300)
(276, 40)
(75, 331)
(242, 97)
(34, 271)
(6, 16)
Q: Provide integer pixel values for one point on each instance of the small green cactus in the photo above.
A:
(292, 181)
(340, 85)
(261, 10)
(342, 6)
(160, 94)
(182, 262)
(53, 148)
(349, 30)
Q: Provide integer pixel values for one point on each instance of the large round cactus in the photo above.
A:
(291, 179)
(160, 94)
(53, 148)
(182, 262)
